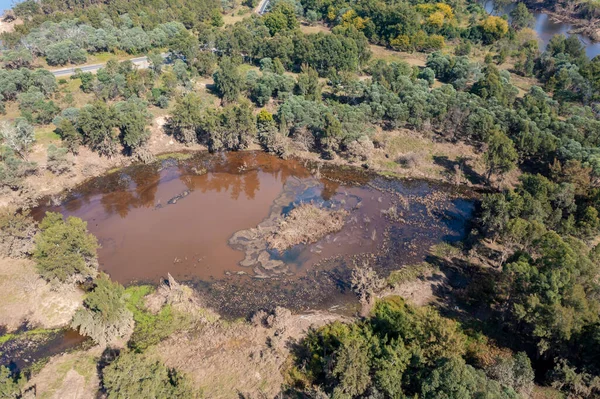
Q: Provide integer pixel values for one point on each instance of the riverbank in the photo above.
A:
(399, 153)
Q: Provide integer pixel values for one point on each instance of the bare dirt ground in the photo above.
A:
(229, 359)
(9, 26)
(86, 164)
(68, 376)
(28, 298)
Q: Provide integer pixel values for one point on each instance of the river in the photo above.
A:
(546, 28)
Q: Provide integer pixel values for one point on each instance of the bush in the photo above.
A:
(65, 250)
(151, 328)
(10, 384)
(134, 375)
(13, 169)
(58, 162)
(17, 230)
(104, 316)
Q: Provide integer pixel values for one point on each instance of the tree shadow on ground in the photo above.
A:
(463, 164)
(466, 298)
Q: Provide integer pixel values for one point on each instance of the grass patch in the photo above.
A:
(444, 250)
(179, 156)
(7, 337)
(150, 328)
(410, 273)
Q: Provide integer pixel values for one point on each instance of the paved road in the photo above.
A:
(262, 7)
(140, 62)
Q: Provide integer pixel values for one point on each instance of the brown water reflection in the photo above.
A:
(178, 217)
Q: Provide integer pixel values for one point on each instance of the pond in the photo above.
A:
(195, 219)
(546, 28)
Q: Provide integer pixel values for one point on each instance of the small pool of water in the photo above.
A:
(186, 218)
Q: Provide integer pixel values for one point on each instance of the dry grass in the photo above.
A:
(309, 29)
(28, 298)
(68, 376)
(412, 59)
(238, 359)
(306, 224)
(413, 154)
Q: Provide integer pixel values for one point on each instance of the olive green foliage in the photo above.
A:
(400, 351)
(14, 169)
(134, 375)
(151, 328)
(58, 161)
(268, 135)
(232, 128)
(133, 119)
(228, 80)
(10, 384)
(17, 229)
(104, 316)
(97, 123)
(501, 156)
(308, 84)
(187, 117)
(64, 249)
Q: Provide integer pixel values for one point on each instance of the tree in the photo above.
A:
(501, 156)
(308, 84)
(156, 62)
(453, 379)
(228, 80)
(104, 316)
(281, 17)
(64, 249)
(13, 169)
(18, 137)
(65, 52)
(352, 366)
(14, 59)
(232, 128)
(69, 135)
(133, 118)
(269, 136)
(187, 118)
(493, 28)
(97, 123)
(521, 17)
(134, 375)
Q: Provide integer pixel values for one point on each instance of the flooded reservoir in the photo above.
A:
(205, 220)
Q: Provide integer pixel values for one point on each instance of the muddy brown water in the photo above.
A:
(179, 217)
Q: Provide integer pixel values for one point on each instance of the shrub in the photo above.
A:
(134, 375)
(58, 162)
(64, 249)
(104, 316)
(17, 230)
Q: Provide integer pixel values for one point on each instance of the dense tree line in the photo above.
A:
(402, 351)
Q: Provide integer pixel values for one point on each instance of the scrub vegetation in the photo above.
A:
(439, 88)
